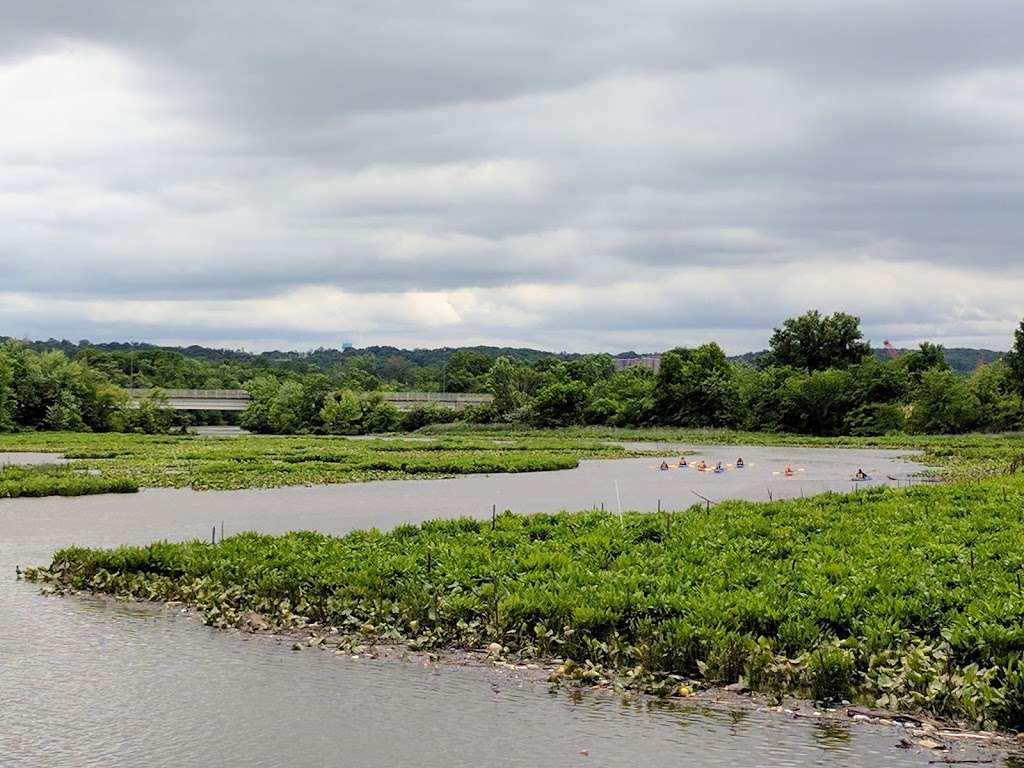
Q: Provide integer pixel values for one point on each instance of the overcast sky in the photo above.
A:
(592, 175)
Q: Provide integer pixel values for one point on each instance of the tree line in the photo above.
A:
(818, 377)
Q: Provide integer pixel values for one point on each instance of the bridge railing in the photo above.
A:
(437, 397)
(193, 394)
(237, 399)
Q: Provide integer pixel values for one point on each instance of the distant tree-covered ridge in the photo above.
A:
(819, 376)
(386, 358)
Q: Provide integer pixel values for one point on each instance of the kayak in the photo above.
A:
(860, 479)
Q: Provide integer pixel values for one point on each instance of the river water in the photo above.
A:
(90, 682)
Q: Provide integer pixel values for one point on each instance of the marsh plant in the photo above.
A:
(911, 600)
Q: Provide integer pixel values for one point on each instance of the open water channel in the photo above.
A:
(91, 682)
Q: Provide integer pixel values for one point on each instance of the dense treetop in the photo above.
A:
(818, 377)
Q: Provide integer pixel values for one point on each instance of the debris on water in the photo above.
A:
(738, 687)
(251, 621)
(296, 646)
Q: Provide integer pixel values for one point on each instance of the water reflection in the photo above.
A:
(92, 682)
(831, 735)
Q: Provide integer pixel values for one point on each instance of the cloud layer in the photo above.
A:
(599, 175)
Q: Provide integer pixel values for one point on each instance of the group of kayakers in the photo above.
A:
(703, 466)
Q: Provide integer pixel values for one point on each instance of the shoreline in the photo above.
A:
(946, 742)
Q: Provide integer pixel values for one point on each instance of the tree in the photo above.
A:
(928, 357)
(874, 419)
(817, 402)
(668, 401)
(379, 415)
(695, 388)
(6, 391)
(943, 404)
(814, 342)
(622, 400)
(342, 413)
(262, 391)
(502, 381)
(1015, 360)
(150, 415)
(591, 369)
(356, 373)
(559, 404)
(315, 387)
(285, 414)
(878, 382)
(999, 403)
(464, 370)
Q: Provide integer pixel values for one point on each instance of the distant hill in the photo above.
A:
(322, 357)
(962, 359)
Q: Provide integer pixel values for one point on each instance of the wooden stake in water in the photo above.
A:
(222, 530)
(213, 536)
(618, 499)
(494, 516)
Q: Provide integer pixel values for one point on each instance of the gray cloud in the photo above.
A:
(592, 174)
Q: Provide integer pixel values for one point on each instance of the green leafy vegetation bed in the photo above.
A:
(260, 462)
(910, 599)
(58, 481)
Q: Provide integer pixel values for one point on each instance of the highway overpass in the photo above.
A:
(238, 399)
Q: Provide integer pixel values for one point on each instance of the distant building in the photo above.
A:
(650, 362)
(346, 345)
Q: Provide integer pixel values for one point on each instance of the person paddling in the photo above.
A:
(664, 465)
(740, 463)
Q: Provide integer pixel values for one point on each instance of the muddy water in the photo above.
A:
(23, 459)
(91, 683)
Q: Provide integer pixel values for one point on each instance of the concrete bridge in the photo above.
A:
(238, 399)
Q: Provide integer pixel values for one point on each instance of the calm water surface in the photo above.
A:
(88, 682)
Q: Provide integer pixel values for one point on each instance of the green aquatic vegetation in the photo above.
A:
(18, 481)
(909, 599)
(264, 461)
